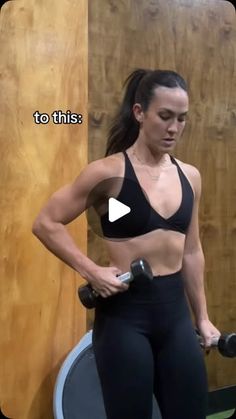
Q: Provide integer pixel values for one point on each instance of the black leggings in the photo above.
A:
(144, 343)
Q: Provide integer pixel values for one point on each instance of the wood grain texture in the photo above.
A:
(44, 57)
(196, 39)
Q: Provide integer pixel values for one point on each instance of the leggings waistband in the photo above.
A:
(160, 289)
(166, 276)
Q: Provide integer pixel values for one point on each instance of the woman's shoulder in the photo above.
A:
(189, 168)
(109, 166)
(191, 172)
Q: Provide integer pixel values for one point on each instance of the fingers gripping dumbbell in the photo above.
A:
(226, 344)
(88, 296)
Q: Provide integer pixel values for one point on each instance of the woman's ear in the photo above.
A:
(138, 112)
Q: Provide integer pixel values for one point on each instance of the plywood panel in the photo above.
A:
(43, 68)
(197, 38)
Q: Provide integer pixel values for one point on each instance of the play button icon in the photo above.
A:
(113, 210)
(116, 209)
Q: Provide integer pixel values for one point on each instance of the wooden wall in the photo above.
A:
(43, 68)
(196, 38)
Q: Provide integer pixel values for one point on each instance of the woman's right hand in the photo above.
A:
(104, 281)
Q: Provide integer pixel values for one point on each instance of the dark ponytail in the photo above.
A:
(125, 128)
(140, 85)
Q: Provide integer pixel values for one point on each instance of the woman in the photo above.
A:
(144, 339)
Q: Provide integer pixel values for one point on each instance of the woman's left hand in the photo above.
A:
(207, 331)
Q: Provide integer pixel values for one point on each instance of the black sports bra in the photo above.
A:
(142, 217)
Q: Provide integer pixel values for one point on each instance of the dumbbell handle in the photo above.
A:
(126, 278)
(214, 340)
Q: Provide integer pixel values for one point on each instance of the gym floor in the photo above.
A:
(222, 415)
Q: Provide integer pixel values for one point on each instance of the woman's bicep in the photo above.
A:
(65, 205)
(73, 199)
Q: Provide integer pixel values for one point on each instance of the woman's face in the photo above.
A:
(163, 122)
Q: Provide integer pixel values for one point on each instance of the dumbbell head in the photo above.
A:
(227, 345)
(87, 296)
(140, 267)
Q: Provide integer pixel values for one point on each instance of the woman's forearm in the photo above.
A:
(56, 238)
(193, 275)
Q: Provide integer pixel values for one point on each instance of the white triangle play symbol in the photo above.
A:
(116, 209)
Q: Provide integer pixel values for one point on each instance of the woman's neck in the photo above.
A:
(148, 156)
